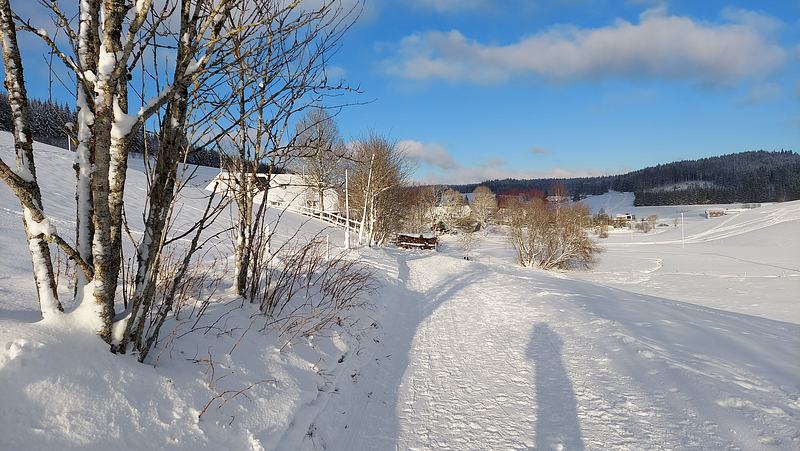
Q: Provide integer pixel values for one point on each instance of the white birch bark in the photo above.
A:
(23, 181)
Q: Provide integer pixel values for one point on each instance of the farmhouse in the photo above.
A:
(622, 219)
(555, 199)
(290, 190)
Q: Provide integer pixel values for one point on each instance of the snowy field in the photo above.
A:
(660, 346)
(747, 261)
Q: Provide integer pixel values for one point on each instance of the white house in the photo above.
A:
(451, 212)
(284, 189)
(557, 199)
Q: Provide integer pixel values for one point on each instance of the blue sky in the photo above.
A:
(480, 89)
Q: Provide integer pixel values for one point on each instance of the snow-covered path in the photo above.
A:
(495, 357)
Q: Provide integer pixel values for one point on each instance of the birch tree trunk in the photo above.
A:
(23, 182)
(161, 196)
(121, 136)
(88, 47)
(163, 186)
(105, 256)
(245, 176)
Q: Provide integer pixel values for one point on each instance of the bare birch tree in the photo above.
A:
(379, 175)
(483, 205)
(320, 153)
(278, 72)
(106, 40)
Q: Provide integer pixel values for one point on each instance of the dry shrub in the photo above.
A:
(550, 237)
(184, 286)
(302, 291)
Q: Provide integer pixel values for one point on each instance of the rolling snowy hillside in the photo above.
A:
(746, 261)
(658, 347)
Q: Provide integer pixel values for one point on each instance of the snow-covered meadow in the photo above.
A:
(747, 261)
(659, 346)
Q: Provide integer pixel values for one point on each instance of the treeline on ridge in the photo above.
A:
(753, 176)
(49, 122)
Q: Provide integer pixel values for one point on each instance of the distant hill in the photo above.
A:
(754, 176)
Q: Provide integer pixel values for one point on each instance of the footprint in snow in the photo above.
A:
(13, 350)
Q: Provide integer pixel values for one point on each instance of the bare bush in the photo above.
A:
(551, 238)
(468, 241)
(183, 288)
(420, 202)
(452, 208)
(301, 292)
(483, 205)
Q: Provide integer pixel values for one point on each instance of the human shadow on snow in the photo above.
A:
(557, 424)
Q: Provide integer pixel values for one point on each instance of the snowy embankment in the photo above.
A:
(64, 390)
(455, 354)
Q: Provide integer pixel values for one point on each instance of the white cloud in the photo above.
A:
(335, 72)
(496, 161)
(536, 150)
(443, 168)
(756, 20)
(658, 46)
(431, 154)
(486, 171)
(450, 5)
(762, 93)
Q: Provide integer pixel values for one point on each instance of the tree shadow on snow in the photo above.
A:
(557, 424)
(22, 316)
(391, 370)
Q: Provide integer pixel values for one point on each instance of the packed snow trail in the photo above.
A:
(496, 357)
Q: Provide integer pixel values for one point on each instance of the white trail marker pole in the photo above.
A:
(346, 213)
(366, 195)
(682, 243)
